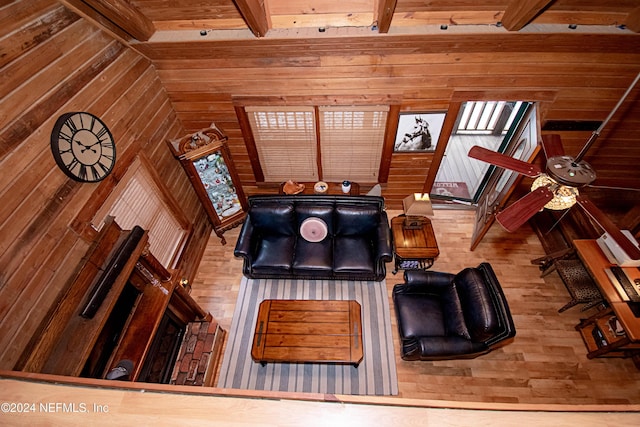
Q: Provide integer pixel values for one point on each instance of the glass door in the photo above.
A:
(499, 183)
(489, 124)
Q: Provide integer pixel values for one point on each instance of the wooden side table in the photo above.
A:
(413, 249)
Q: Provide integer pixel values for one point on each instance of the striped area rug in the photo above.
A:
(376, 374)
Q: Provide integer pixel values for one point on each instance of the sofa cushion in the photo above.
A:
(353, 254)
(419, 315)
(446, 347)
(477, 305)
(324, 212)
(274, 254)
(454, 320)
(274, 218)
(315, 256)
(356, 220)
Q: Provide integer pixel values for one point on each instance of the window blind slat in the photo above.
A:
(285, 138)
(139, 203)
(351, 142)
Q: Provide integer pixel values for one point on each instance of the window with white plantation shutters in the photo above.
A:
(285, 138)
(351, 141)
(138, 201)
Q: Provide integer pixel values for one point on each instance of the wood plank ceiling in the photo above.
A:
(141, 19)
(210, 54)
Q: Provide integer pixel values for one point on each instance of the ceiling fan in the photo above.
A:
(556, 187)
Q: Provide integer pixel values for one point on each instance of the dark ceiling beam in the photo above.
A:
(255, 15)
(633, 20)
(520, 12)
(385, 14)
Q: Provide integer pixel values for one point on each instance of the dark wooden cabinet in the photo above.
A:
(115, 308)
(207, 161)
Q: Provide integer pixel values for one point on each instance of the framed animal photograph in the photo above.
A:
(418, 132)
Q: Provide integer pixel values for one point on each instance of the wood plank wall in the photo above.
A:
(585, 73)
(52, 62)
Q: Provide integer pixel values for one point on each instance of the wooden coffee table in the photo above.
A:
(298, 331)
(414, 249)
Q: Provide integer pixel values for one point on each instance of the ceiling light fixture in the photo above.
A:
(563, 196)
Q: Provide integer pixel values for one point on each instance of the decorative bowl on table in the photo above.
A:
(320, 187)
(291, 187)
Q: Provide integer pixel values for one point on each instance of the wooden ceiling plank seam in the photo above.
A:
(520, 12)
(26, 124)
(212, 24)
(458, 17)
(322, 21)
(32, 33)
(18, 14)
(614, 18)
(167, 10)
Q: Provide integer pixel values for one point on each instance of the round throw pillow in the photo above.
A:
(313, 229)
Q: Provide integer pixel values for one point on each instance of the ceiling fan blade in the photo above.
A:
(607, 225)
(504, 161)
(552, 146)
(519, 212)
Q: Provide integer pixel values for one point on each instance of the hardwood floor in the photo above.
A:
(545, 364)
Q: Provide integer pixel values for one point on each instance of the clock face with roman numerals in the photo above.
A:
(83, 147)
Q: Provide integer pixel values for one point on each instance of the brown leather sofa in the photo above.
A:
(451, 316)
(356, 247)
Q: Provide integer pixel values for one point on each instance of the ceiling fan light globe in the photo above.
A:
(563, 196)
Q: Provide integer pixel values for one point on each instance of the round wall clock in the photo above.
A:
(83, 147)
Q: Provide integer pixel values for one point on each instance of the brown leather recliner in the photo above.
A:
(451, 316)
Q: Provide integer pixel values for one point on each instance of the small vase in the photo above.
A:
(346, 186)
